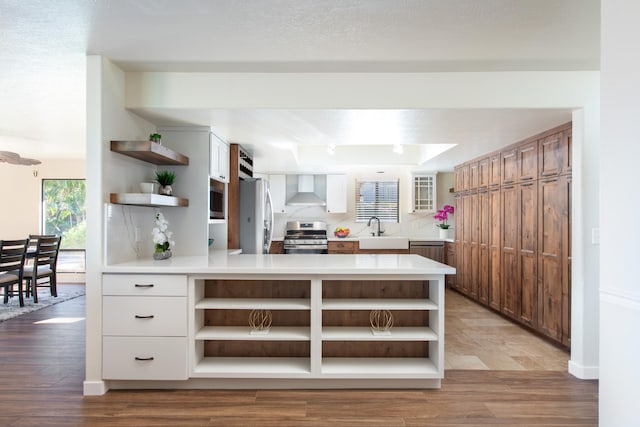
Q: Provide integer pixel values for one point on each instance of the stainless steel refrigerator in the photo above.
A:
(256, 216)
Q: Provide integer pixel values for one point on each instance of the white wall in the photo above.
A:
(22, 192)
(620, 228)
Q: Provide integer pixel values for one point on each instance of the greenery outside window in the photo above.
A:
(64, 214)
(377, 198)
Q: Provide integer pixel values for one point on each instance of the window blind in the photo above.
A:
(377, 198)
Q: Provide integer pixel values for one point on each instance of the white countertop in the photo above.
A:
(307, 264)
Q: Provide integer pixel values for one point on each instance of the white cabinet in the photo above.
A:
(336, 193)
(144, 327)
(278, 189)
(219, 159)
(423, 193)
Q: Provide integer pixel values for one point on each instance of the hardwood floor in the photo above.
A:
(43, 370)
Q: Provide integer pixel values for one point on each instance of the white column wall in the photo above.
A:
(106, 119)
(620, 204)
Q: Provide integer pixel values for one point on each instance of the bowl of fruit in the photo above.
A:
(341, 232)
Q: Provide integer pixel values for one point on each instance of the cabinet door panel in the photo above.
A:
(528, 244)
(494, 170)
(509, 167)
(483, 245)
(495, 285)
(509, 252)
(555, 154)
(528, 161)
(474, 176)
(553, 232)
(483, 173)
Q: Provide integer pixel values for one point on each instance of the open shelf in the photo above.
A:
(147, 199)
(363, 333)
(243, 333)
(150, 152)
(252, 367)
(378, 304)
(367, 367)
(254, 303)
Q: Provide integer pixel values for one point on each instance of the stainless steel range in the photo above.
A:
(306, 237)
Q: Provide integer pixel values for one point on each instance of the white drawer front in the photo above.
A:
(144, 316)
(144, 284)
(144, 358)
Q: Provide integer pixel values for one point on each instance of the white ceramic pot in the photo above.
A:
(148, 187)
(444, 233)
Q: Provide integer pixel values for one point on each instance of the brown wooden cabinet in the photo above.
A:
(512, 247)
(465, 177)
(458, 221)
(509, 252)
(465, 286)
(555, 154)
(509, 166)
(528, 161)
(277, 247)
(495, 175)
(450, 259)
(484, 219)
(342, 246)
(474, 246)
(484, 173)
(527, 252)
(474, 176)
(553, 257)
(495, 247)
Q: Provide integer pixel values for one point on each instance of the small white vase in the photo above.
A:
(444, 233)
(162, 255)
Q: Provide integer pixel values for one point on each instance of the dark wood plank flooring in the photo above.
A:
(43, 369)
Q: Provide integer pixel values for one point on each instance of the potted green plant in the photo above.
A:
(155, 137)
(165, 179)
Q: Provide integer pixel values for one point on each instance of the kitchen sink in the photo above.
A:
(384, 242)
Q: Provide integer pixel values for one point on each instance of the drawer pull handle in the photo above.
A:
(144, 317)
(144, 359)
(144, 286)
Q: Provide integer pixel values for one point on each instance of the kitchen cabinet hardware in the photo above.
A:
(151, 316)
(144, 359)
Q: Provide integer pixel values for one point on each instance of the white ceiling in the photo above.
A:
(44, 43)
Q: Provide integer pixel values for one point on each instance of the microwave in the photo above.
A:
(216, 200)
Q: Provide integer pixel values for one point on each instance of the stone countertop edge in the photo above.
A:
(299, 264)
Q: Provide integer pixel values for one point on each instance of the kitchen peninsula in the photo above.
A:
(183, 322)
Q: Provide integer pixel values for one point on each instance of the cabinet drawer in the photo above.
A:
(144, 284)
(144, 316)
(144, 358)
(341, 246)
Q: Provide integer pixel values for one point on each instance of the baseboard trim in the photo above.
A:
(583, 372)
(94, 388)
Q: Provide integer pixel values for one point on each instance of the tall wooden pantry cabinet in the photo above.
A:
(513, 224)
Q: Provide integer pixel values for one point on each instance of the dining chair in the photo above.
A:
(12, 255)
(44, 266)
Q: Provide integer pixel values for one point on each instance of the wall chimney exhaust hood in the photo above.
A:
(306, 195)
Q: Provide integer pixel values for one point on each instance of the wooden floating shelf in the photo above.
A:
(150, 152)
(147, 199)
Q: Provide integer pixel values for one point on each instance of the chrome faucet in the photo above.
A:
(377, 219)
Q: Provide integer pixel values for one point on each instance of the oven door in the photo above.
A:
(305, 249)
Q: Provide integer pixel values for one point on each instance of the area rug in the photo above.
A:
(12, 308)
